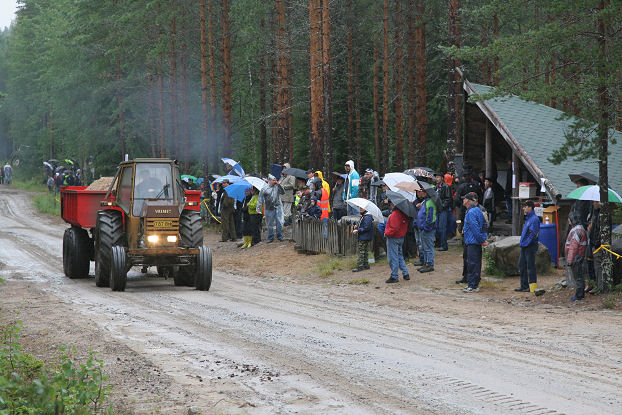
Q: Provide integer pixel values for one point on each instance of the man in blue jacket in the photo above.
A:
(365, 231)
(528, 249)
(475, 235)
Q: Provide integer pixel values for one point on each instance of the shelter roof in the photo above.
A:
(538, 130)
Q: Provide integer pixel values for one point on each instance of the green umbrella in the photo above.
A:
(593, 193)
(189, 177)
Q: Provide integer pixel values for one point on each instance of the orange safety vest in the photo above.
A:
(323, 204)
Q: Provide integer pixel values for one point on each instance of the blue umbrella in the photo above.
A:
(235, 166)
(238, 189)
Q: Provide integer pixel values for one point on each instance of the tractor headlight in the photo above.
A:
(171, 238)
(152, 239)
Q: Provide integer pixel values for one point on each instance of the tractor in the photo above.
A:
(145, 218)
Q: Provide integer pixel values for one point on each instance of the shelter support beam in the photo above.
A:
(488, 151)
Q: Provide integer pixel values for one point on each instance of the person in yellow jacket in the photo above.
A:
(254, 219)
(325, 185)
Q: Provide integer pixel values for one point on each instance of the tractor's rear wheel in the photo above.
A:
(203, 271)
(76, 252)
(190, 229)
(118, 270)
(109, 233)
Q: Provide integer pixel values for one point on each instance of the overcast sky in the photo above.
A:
(7, 12)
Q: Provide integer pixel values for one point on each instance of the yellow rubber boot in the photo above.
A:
(247, 242)
(533, 287)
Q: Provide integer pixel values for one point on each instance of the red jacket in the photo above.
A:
(576, 244)
(397, 225)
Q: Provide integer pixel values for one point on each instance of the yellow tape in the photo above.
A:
(604, 248)
(210, 212)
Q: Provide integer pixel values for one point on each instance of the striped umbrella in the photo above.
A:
(593, 193)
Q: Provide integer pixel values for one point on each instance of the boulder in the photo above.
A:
(505, 252)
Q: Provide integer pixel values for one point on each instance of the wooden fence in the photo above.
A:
(332, 237)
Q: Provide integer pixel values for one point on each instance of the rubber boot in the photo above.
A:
(247, 242)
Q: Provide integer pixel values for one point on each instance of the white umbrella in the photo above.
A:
(392, 179)
(256, 182)
(369, 206)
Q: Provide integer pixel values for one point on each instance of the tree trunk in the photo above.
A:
(121, 117)
(496, 59)
(454, 141)
(173, 91)
(327, 89)
(384, 165)
(183, 67)
(213, 127)
(263, 133)
(376, 108)
(316, 84)
(357, 111)
(421, 134)
(151, 121)
(226, 80)
(350, 83)
(603, 144)
(204, 99)
(280, 144)
(162, 130)
(411, 93)
(398, 161)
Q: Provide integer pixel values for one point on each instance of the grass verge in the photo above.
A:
(31, 386)
(47, 203)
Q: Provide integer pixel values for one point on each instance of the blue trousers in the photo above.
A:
(427, 244)
(441, 228)
(473, 265)
(527, 265)
(396, 257)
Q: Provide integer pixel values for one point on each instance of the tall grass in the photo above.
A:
(47, 203)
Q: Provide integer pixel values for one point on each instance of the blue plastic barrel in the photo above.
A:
(548, 238)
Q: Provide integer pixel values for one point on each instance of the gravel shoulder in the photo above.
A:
(272, 336)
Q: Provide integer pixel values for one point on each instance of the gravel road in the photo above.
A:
(267, 345)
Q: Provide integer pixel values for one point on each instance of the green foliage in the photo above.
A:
(327, 268)
(29, 386)
(360, 281)
(47, 203)
(490, 267)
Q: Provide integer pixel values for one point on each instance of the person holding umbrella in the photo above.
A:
(395, 229)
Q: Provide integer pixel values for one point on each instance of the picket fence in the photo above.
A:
(333, 237)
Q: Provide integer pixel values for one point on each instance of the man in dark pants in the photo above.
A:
(474, 238)
(528, 249)
(227, 215)
(444, 193)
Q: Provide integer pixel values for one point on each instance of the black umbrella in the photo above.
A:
(402, 203)
(299, 173)
(431, 191)
(59, 169)
(52, 161)
(589, 177)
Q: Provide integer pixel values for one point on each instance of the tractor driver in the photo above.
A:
(148, 186)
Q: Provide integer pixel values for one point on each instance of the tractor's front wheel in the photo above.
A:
(76, 255)
(203, 271)
(118, 270)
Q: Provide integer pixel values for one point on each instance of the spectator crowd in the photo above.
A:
(412, 225)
